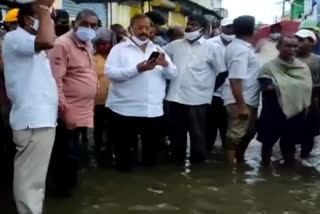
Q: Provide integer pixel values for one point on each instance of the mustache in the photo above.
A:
(141, 35)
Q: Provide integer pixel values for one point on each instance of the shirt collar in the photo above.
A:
(219, 40)
(242, 42)
(24, 31)
(77, 41)
(200, 41)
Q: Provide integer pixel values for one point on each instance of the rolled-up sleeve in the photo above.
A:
(115, 71)
(237, 62)
(58, 61)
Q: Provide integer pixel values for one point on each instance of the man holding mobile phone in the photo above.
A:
(138, 81)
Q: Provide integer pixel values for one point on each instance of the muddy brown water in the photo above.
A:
(202, 189)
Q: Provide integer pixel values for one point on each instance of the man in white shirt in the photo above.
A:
(190, 93)
(241, 92)
(33, 93)
(217, 114)
(136, 94)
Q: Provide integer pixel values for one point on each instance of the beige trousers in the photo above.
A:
(31, 162)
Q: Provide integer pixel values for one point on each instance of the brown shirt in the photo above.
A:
(73, 68)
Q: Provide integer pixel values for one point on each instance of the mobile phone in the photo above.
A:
(154, 56)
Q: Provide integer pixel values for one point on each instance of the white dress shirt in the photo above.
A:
(242, 63)
(29, 82)
(198, 66)
(220, 49)
(133, 93)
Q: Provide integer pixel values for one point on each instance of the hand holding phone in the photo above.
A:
(154, 56)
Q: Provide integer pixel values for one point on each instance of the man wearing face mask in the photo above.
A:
(190, 93)
(72, 65)
(217, 115)
(138, 81)
(266, 49)
(10, 24)
(62, 23)
(33, 93)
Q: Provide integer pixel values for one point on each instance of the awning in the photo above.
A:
(190, 7)
(164, 3)
(289, 28)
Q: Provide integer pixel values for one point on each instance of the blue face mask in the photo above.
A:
(85, 34)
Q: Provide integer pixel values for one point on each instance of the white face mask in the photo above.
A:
(85, 34)
(275, 36)
(193, 35)
(36, 24)
(138, 41)
(228, 38)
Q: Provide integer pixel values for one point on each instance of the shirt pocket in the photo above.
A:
(199, 66)
(202, 77)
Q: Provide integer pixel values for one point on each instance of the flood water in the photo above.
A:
(213, 188)
(203, 189)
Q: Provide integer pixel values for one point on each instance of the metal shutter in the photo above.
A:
(73, 9)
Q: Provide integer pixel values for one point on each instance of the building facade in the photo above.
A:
(73, 8)
(120, 11)
(302, 9)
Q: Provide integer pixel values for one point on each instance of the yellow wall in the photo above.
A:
(58, 4)
(121, 14)
(176, 18)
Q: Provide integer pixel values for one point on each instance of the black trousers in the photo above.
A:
(184, 119)
(124, 137)
(103, 146)
(70, 152)
(7, 147)
(216, 120)
(312, 126)
(273, 125)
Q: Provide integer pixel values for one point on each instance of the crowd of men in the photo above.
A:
(144, 90)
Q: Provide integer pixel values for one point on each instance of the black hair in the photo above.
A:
(114, 27)
(244, 26)
(200, 19)
(174, 30)
(61, 14)
(25, 10)
(138, 17)
(156, 18)
(84, 13)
